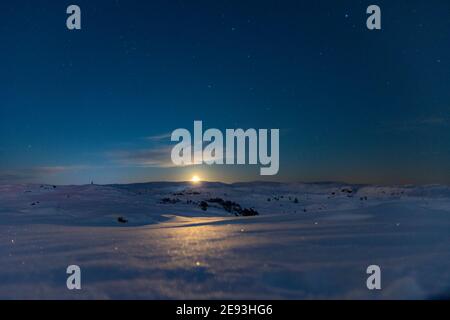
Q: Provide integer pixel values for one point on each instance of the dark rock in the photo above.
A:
(203, 205)
(169, 200)
(122, 220)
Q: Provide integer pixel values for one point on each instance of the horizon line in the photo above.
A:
(235, 182)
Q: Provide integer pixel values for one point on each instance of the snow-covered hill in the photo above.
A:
(187, 241)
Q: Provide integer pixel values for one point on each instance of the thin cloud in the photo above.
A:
(12, 176)
(435, 121)
(417, 124)
(159, 138)
(34, 173)
(155, 157)
(158, 157)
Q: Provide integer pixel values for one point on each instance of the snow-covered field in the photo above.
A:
(160, 241)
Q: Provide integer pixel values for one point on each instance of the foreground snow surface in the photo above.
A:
(309, 241)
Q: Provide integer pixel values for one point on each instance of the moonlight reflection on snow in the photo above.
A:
(309, 241)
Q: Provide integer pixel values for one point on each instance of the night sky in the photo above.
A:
(99, 104)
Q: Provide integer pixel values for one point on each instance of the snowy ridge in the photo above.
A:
(142, 203)
(177, 240)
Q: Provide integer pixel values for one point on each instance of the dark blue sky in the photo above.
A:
(351, 104)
